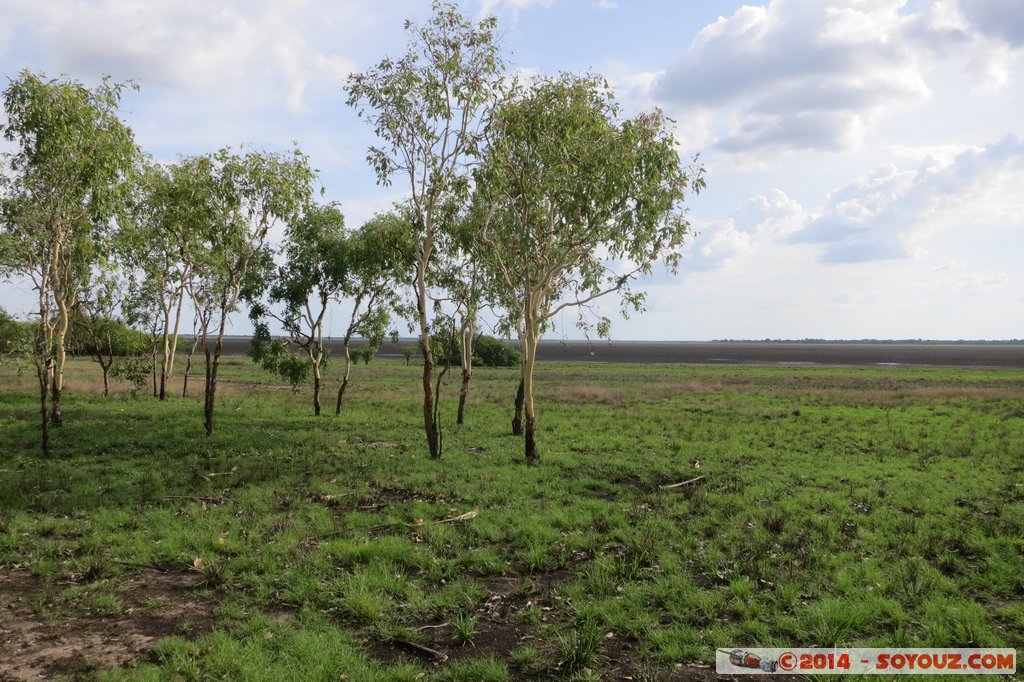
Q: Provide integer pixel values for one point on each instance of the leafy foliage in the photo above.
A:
(246, 195)
(487, 350)
(494, 352)
(106, 335)
(275, 355)
(574, 202)
(430, 110)
(59, 191)
(135, 369)
(15, 336)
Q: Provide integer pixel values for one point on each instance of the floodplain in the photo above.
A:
(675, 509)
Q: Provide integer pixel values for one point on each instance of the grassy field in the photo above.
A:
(855, 506)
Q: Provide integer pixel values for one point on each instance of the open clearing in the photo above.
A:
(858, 506)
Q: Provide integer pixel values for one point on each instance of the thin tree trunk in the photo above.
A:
(211, 390)
(437, 403)
(208, 390)
(463, 394)
(466, 353)
(152, 364)
(430, 425)
(211, 369)
(163, 377)
(345, 374)
(174, 333)
(529, 358)
(106, 363)
(316, 383)
(56, 417)
(42, 370)
(316, 391)
(517, 420)
(532, 455)
(165, 346)
(43, 357)
(188, 366)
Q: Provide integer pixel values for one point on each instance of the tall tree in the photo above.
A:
(160, 243)
(579, 202)
(142, 309)
(459, 277)
(248, 194)
(96, 326)
(377, 259)
(430, 109)
(204, 304)
(62, 185)
(310, 279)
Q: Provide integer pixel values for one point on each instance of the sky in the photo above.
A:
(864, 157)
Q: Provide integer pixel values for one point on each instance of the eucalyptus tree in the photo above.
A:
(62, 185)
(507, 304)
(204, 304)
(460, 279)
(311, 278)
(580, 201)
(160, 242)
(248, 194)
(430, 109)
(377, 259)
(467, 295)
(97, 327)
(141, 309)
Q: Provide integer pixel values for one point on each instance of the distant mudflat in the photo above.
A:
(879, 354)
(681, 352)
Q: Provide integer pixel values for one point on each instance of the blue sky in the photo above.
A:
(864, 157)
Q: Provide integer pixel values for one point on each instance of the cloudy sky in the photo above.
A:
(865, 158)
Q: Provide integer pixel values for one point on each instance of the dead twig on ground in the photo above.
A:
(438, 656)
(682, 483)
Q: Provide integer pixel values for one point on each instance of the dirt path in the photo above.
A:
(48, 630)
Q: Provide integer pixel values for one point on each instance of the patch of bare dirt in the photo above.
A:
(39, 639)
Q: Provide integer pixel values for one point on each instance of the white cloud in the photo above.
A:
(265, 53)
(714, 246)
(718, 243)
(773, 214)
(493, 6)
(889, 213)
(999, 19)
(814, 75)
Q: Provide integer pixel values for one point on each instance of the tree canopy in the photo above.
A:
(574, 202)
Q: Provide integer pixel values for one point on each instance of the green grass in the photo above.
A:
(854, 506)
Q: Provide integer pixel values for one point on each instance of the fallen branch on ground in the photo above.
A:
(461, 517)
(438, 656)
(431, 627)
(679, 485)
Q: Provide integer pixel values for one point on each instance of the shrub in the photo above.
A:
(275, 355)
(494, 352)
(104, 336)
(135, 369)
(487, 351)
(15, 337)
